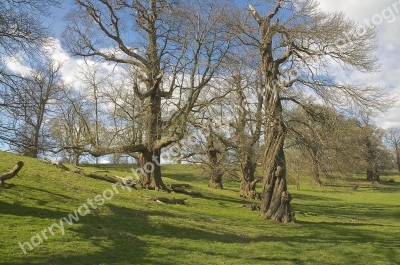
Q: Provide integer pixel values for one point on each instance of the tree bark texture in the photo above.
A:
(372, 171)
(275, 204)
(248, 182)
(315, 168)
(275, 199)
(150, 171)
(215, 172)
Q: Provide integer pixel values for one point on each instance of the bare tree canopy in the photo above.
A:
(22, 38)
(21, 27)
(27, 106)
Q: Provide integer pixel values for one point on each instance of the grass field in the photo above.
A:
(347, 222)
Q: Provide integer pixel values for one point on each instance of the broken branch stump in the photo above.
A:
(12, 173)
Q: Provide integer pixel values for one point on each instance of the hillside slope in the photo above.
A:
(70, 219)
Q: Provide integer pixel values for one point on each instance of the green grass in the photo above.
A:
(350, 222)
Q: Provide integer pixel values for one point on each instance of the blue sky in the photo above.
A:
(384, 14)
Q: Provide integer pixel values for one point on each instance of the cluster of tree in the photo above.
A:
(205, 80)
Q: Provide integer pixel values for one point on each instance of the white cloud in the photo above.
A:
(72, 66)
(16, 65)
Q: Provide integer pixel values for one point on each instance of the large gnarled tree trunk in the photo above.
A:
(248, 181)
(275, 199)
(297, 34)
(275, 204)
(215, 172)
(150, 171)
(149, 159)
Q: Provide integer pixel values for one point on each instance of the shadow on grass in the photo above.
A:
(17, 209)
(356, 211)
(222, 199)
(128, 236)
(49, 192)
(385, 186)
(357, 184)
(312, 198)
(6, 186)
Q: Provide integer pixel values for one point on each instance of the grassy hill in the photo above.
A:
(350, 222)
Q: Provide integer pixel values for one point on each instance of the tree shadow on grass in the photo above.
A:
(111, 239)
(388, 187)
(130, 236)
(313, 198)
(358, 183)
(223, 200)
(349, 210)
(49, 192)
(384, 242)
(18, 209)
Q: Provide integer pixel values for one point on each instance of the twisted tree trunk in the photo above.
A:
(275, 199)
(275, 204)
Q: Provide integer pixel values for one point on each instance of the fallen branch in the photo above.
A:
(164, 199)
(181, 189)
(12, 173)
(55, 163)
(180, 185)
(112, 179)
(101, 171)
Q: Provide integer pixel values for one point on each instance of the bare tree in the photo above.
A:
(296, 34)
(242, 113)
(371, 145)
(71, 126)
(22, 37)
(309, 134)
(174, 50)
(28, 108)
(326, 140)
(393, 139)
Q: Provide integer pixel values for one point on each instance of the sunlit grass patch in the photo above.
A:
(336, 224)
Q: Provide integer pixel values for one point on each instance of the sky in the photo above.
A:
(384, 14)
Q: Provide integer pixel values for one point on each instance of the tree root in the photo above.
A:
(252, 207)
